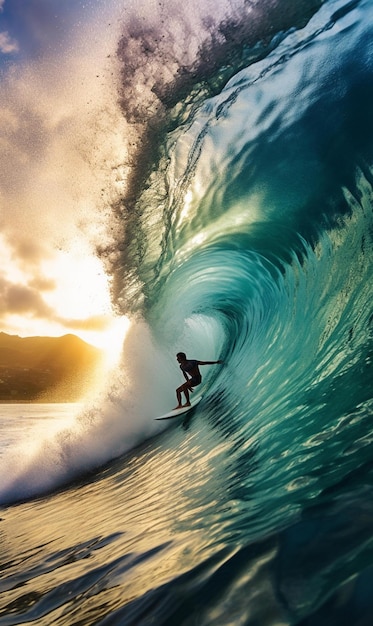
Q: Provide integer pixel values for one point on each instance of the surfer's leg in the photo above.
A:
(178, 396)
(186, 393)
(179, 391)
(182, 389)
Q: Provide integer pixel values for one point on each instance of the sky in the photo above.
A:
(62, 149)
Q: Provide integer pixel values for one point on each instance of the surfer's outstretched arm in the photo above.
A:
(209, 362)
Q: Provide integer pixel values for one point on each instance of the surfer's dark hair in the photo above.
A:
(182, 355)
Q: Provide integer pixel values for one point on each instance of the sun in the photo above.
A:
(81, 301)
(81, 285)
(111, 340)
(65, 291)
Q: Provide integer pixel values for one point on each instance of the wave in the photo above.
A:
(246, 233)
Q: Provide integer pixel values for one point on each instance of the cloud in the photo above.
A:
(27, 299)
(61, 142)
(7, 43)
(62, 147)
(17, 299)
(92, 323)
(43, 284)
(27, 251)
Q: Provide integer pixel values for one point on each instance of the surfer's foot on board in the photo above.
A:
(181, 406)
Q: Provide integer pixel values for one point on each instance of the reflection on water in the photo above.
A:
(130, 529)
(19, 422)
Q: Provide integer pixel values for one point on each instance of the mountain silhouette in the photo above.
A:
(46, 369)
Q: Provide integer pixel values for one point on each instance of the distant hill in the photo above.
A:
(46, 369)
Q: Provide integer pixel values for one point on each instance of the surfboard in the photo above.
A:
(179, 412)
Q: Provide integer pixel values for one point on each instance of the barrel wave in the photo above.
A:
(246, 235)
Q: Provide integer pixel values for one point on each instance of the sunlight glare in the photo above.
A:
(111, 341)
(83, 288)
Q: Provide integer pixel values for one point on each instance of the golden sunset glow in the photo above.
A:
(63, 145)
(111, 340)
(82, 289)
(59, 293)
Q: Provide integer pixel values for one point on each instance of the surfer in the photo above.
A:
(192, 375)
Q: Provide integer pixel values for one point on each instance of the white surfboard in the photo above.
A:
(179, 412)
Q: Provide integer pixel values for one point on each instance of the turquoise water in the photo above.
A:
(247, 236)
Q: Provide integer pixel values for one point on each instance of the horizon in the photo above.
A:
(50, 337)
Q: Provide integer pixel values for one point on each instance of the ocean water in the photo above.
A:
(245, 235)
